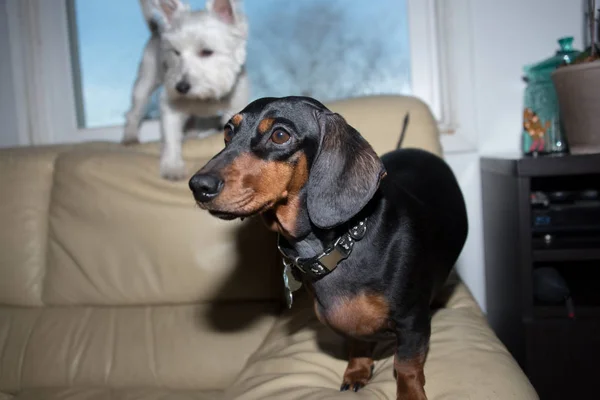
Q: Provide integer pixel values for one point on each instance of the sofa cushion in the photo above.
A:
(302, 359)
(111, 394)
(26, 182)
(186, 347)
(121, 235)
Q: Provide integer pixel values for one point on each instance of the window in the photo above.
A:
(327, 49)
(74, 61)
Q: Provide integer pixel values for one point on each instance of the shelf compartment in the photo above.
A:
(583, 281)
(560, 255)
(560, 312)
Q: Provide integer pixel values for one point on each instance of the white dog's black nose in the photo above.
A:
(205, 187)
(183, 87)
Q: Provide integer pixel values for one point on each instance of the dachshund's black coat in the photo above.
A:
(312, 176)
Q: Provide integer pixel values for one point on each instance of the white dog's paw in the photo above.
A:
(172, 169)
(130, 136)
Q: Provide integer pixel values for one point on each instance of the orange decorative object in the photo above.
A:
(533, 125)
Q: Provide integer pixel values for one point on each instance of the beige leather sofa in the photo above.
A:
(114, 285)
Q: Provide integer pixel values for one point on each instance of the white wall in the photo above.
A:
(9, 134)
(506, 35)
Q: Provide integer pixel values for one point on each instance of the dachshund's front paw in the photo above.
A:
(357, 375)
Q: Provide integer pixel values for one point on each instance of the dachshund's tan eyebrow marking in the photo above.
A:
(265, 125)
(236, 120)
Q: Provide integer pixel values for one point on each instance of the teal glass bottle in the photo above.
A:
(542, 132)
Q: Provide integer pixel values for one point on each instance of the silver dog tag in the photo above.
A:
(291, 284)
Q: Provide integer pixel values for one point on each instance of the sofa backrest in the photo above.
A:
(95, 225)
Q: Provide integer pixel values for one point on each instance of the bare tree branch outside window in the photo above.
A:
(318, 50)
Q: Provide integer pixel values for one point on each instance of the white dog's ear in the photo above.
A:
(223, 9)
(166, 11)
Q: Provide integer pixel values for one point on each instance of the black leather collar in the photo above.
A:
(317, 267)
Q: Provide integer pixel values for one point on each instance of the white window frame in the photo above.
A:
(43, 77)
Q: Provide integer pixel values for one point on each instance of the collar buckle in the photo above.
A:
(323, 264)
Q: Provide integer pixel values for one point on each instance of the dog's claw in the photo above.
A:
(357, 379)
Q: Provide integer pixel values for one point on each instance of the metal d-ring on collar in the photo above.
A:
(322, 264)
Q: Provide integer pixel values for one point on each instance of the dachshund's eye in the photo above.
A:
(228, 134)
(177, 53)
(205, 53)
(280, 136)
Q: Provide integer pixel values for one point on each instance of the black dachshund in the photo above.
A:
(372, 239)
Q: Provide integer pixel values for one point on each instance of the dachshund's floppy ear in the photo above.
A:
(344, 175)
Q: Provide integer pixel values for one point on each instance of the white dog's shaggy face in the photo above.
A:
(198, 57)
(203, 52)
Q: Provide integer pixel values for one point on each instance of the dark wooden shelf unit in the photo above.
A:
(560, 355)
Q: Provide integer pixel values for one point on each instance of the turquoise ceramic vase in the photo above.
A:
(542, 132)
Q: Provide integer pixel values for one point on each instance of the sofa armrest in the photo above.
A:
(467, 360)
(302, 359)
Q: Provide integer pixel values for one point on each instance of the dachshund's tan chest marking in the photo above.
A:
(362, 315)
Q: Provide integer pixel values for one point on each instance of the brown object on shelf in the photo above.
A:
(578, 89)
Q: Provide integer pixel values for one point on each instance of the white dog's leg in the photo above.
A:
(172, 122)
(147, 81)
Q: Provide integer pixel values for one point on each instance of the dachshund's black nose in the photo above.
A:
(183, 87)
(205, 187)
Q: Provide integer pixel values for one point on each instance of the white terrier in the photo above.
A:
(199, 56)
